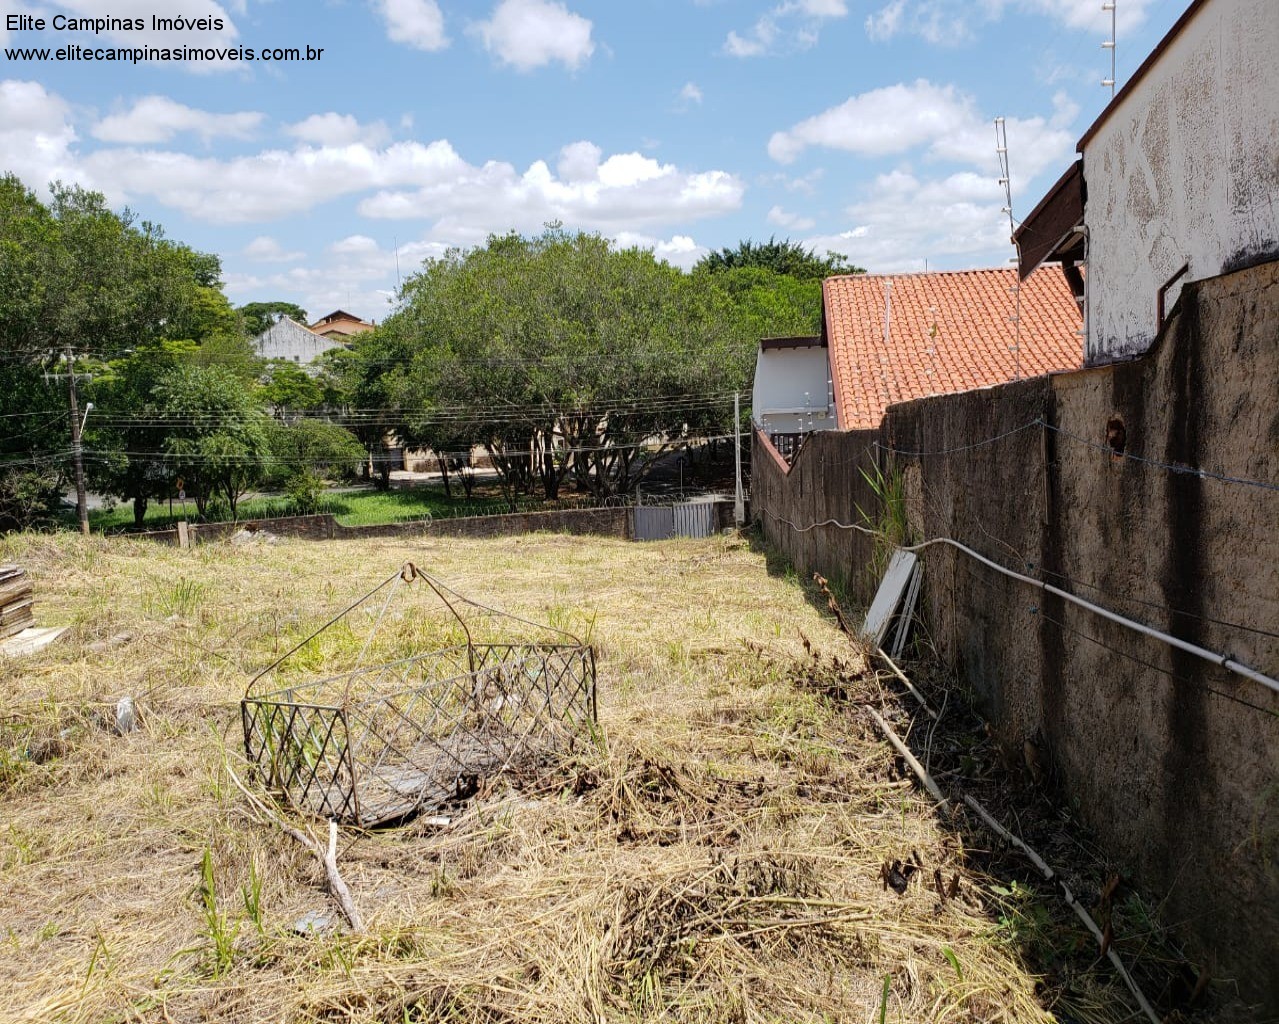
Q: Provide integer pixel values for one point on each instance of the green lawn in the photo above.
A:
(368, 507)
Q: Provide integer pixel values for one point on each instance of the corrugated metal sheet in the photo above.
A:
(658, 522)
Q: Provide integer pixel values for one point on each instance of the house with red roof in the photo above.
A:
(341, 325)
(889, 338)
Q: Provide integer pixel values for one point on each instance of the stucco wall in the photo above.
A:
(1174, 762)
(1184, 170)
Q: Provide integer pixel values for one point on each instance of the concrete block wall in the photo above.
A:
(1173, 761)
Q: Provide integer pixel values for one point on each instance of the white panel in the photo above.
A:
(889, 596)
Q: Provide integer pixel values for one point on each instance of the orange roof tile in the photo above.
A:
(949, 331)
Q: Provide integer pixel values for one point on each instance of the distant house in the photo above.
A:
(892, 338)
(1178, 178)
(341, 325)
(793, 394)
(288, 340)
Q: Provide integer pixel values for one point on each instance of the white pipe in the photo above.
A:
(1225, 661)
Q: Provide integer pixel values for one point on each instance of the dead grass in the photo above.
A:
(718, 855)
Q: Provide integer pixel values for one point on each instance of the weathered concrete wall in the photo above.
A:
(1184, 170)
(286, 339)
(825, 483)
(1176, 775)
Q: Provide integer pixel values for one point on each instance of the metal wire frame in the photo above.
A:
(378, 743)
(418, 729)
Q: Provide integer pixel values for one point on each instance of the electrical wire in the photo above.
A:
(1171, 467)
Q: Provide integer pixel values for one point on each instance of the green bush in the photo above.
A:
(305, 490)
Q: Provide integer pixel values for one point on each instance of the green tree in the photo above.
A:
(566, 358)
(215, 433)
(784, 257)
(258, 316)
(289, 388)
(75, 275)
(312, 446)
(126, 434)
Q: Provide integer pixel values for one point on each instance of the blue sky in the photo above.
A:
(682, 125)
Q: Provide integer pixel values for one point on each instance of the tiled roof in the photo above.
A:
(949, 331)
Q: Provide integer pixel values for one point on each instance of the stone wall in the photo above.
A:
(600, 522)
(1173, 761)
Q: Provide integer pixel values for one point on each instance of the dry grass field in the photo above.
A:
(715, 853)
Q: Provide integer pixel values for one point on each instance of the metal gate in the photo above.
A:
(658, 522)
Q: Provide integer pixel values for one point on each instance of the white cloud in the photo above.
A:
(528, 34)
(431, 181)
(339, 130)
(265, 249)
(416, 23)
(679, 250)
(270, 184)
(625, 192)
(951, 22)
(159, 119)
(36, 135)
(902, 221)
(691, 93)
(579, 161)
(792, 25)
(790, 221)
(939, 120)
(761, 38)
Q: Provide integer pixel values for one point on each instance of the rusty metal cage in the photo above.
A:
(375, 744)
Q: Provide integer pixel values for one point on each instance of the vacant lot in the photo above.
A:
(716, 853)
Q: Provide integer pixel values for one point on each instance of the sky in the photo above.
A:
(863, 128)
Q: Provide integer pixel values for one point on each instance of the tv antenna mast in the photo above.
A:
(1109, 44)
(1005, 179)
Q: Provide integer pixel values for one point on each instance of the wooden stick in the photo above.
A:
(336, 883)
(907, 683)
(1051, 876)
(1031, 855)
(328, 857)
(909, 758)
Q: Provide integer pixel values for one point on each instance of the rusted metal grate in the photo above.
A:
(378, 743)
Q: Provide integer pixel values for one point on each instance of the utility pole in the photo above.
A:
(739, 501)
(77, 449)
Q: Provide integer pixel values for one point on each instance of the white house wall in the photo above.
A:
(1185, 170)
(285, 339)
(792, 391)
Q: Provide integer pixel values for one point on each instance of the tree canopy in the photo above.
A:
(258, 316)
(563, 356)
(75, 275)
(785, 257)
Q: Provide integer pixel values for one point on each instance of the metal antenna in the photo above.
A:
(1109, 44)
(1005, 179)
(399, 284)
